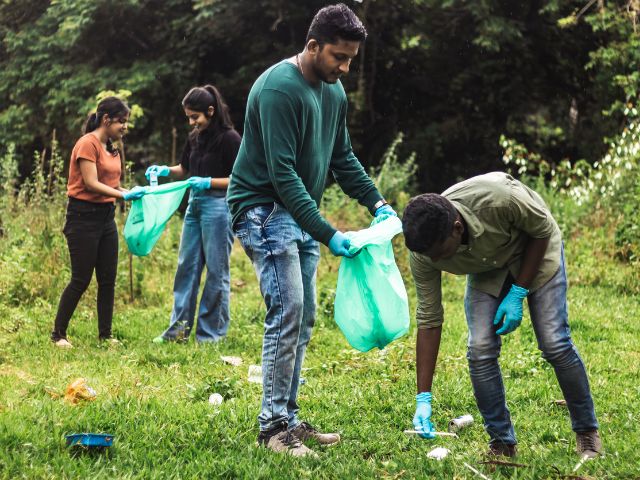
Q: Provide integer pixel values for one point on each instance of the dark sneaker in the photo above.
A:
(588, 444)
(282, 440)
(305, 432)
(502, 450)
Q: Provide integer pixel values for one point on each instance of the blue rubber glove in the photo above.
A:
(385, 210)
(339, 245)
(135, 193)
(511, 310)
(422, 418)
(159, 170)
(200, 183)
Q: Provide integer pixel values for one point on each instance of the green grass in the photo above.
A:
(153, 398)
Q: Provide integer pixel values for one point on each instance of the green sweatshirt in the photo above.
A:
(294, 133)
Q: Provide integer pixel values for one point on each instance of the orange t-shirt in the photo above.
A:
(88, 147)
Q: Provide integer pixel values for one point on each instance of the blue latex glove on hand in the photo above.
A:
(385, 210)
(200, 183)
(422, 418)
(339, 245)
(511, 310)
(135, 193)
(159, 170)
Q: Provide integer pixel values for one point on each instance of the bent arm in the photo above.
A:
(89, 173)
(349, 172)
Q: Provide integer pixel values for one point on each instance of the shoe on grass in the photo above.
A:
(283, 441)
(110, 340)
(160, 339)
(499, 449)
(63, 343)
(305, 432)
(588, 444)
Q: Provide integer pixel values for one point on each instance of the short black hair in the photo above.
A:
(336, 22)
(427, 221)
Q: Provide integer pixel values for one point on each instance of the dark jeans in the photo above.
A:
(92, 239)
(549, 316)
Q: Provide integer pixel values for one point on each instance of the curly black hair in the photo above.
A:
(336, 22)
(427, 221)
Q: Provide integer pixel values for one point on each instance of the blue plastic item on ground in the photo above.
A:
(371, 306)
(90, 439)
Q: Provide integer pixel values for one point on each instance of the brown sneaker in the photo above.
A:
(305, 431)
(502, 450)
(588, 444)
(281, 440)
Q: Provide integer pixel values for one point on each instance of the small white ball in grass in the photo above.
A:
(215, 399)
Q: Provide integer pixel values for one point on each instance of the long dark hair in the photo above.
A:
(199, 99)
(113, 107)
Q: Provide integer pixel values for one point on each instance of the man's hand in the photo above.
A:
(198, 184)
(385, 210)
(339, 245)
(159, 170)
(511, 310)
(422, 417)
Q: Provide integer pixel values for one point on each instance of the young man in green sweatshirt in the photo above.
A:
(500, 234)
(295, 133)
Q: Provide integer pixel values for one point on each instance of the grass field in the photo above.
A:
(153, 398)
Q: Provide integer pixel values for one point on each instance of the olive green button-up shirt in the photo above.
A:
(501, 214)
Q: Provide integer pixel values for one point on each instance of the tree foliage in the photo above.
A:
(452, 75)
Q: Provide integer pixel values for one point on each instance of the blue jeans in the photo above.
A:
(549, 316)
(285, 259)
(206, 240)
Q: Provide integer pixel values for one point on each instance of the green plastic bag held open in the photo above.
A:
(371, 306)
(150, 214)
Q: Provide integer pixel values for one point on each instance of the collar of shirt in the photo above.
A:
(474, 225)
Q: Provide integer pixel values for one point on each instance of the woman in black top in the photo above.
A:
(207, 159)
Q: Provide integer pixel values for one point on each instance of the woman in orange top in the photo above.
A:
(90, 229)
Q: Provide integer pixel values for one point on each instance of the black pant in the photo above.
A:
(92, 239)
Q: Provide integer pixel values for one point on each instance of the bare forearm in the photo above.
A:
(533, 255)
(102, 189)
(427, 347)
(177, 172)
(220, 183)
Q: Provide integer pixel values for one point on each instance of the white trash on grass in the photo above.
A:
(438, 453)
(235, 361)
(255, 374)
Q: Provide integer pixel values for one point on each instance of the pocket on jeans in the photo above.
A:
(264, 213)
(240, 227)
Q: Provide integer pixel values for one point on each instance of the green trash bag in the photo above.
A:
(149, 215)
(371, 306)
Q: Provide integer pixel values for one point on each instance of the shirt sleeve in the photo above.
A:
(186, 155)
(229, 151)
(347, 169)
(527, 212)
(429, 311)
(280, 134)
(87, 151)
